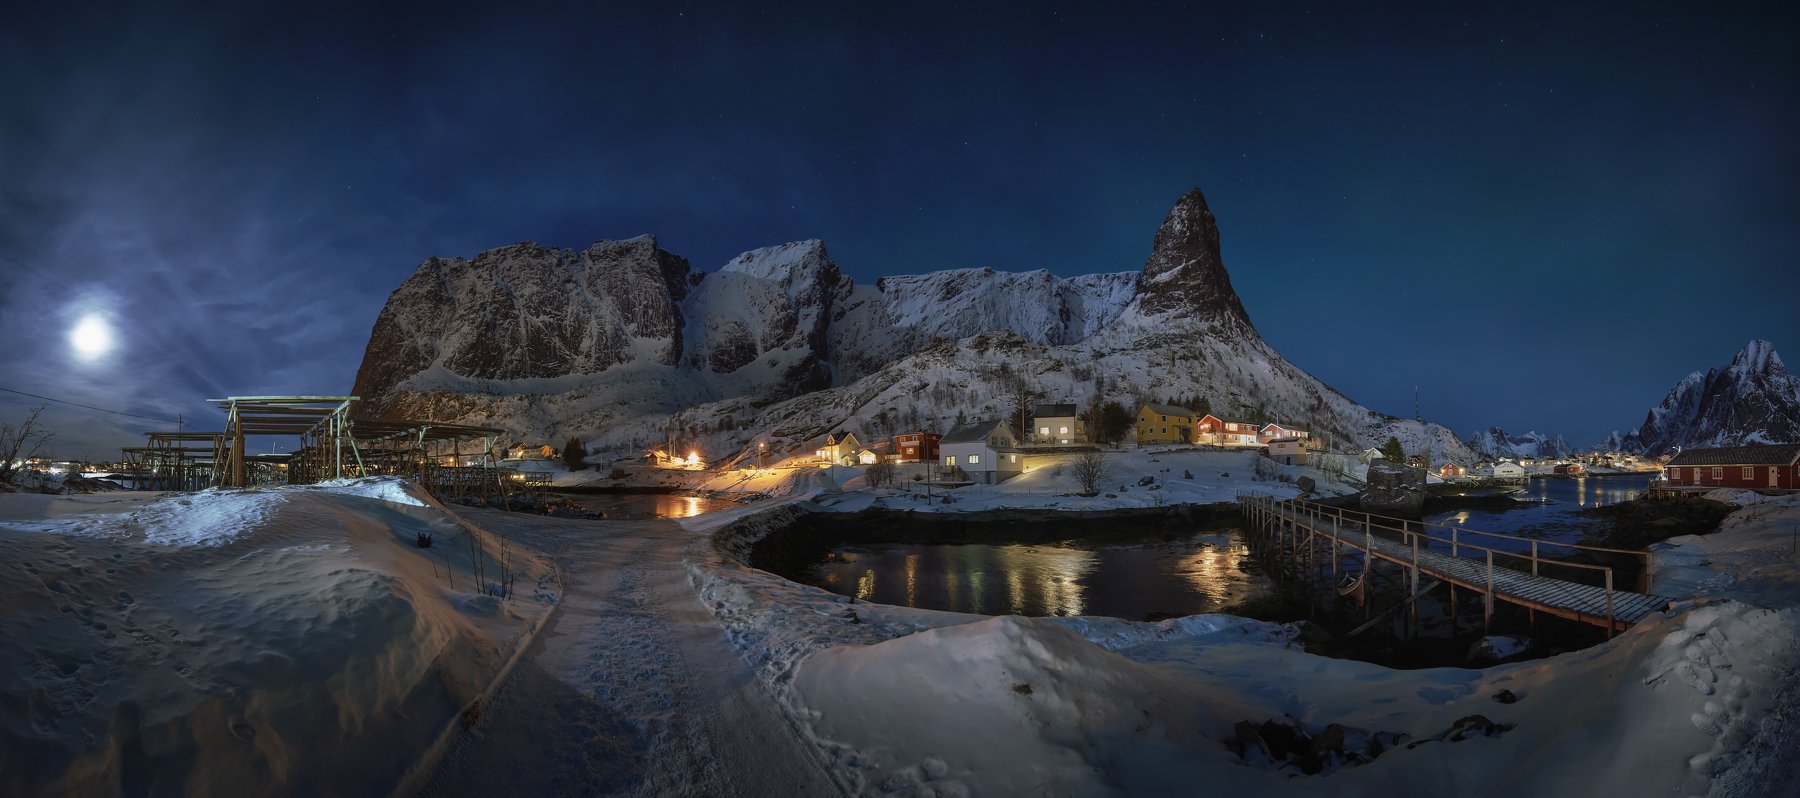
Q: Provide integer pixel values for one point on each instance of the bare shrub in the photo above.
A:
(1090, 469)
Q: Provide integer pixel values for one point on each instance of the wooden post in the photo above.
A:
(1413, 591)
(1487, 599)
(1609, 604)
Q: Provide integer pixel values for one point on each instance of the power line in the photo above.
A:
(90, 407)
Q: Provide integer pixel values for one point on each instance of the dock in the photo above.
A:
(1460, 557)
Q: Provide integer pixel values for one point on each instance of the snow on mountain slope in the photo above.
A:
(1494, 443)
(1752, 400)
(779, 346)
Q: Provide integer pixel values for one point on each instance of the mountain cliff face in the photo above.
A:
(1754, 400)
(623, 344)
(1495, 444)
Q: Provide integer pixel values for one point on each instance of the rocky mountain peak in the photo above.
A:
(1185, 272)
(1758, 358)
(1754, 400)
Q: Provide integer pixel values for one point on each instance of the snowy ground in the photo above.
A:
(291, 641)
(901, 701)
(294, 641)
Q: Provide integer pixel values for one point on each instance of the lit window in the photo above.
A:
(974, 459)
(1062, 430)
(1043, 430)
(1012, 458)
(950, 460)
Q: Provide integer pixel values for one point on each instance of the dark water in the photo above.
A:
(1554, 517)
(1204, 573)
(637, 506)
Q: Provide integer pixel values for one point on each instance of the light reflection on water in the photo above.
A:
(1161, 579)
(1555, 514)
(647, 505)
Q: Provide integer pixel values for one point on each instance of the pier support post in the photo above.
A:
(1487, 599)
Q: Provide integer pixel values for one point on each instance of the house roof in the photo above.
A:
(1168, 410)
(1782, 454)
(1053, 411)
(1288, 427)
(972, 431)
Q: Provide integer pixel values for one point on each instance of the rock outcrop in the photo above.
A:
(624, 345)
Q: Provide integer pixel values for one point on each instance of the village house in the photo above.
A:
(1761, 467)
(986, 451)
(522, 451)
(1056, 424)
(1452, 470)
(1288, 451)
(874, 453)
(1164, 424)
(1270, 432)
(1369, 456)
(1568, 469)
(1220, 432)
(916, 447)
(1506, 469)
(839, 449)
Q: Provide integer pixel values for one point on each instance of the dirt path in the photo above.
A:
(632, 689)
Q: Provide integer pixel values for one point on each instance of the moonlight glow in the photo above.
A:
(91, 338)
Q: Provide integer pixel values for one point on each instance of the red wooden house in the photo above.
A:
(1737, 467)
(916, 447)
(1211, 429)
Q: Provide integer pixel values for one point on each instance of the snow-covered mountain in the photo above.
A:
(624, 344)
(1494, 444)
(1753, 400)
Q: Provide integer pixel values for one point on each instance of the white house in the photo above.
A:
(1370, 455)
(1057, 424)
(1288, 451)
(839, 449)
(985, 450)
(1506, 469)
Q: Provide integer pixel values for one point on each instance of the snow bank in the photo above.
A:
(896, 700)
(1737, 496)
(272, 642)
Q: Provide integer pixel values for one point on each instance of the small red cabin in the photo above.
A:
(915, 447)
(1570, 469)
(1737, 467)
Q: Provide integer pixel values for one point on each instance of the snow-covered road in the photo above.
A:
(632, 689)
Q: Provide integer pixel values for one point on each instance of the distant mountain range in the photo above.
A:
(1495, 444)
(624, 345)
(1753, 400)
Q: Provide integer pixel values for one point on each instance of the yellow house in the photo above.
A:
(1164, 424)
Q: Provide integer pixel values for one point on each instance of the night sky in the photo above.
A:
(1543, 218)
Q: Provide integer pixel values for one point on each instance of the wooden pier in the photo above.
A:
(1460, 557)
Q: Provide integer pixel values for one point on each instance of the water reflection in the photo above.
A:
(647, 505)
(1162, 579)
(1553, 511)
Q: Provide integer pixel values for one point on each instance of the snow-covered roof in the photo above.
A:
(1784, 454)
(972, 431)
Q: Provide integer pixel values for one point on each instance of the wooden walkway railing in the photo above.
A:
(1308, 525)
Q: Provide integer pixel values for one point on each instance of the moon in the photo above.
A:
(92, 337)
